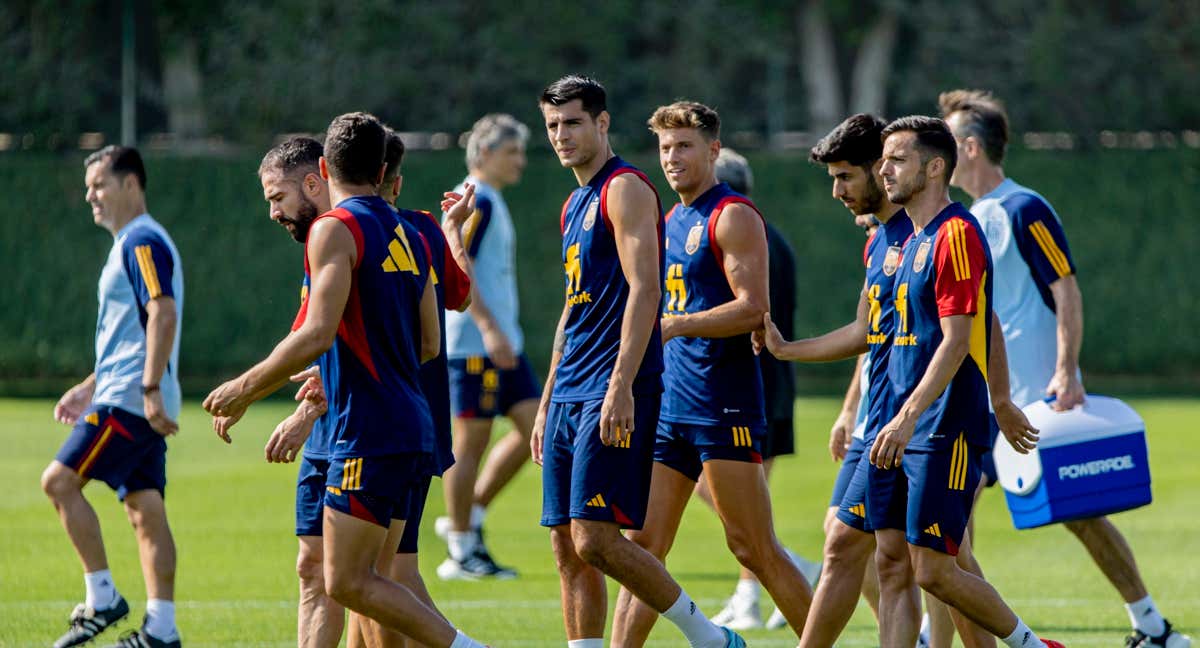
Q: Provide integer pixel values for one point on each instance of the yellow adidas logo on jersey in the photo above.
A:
(400, 257)
(858, 510)
(93, 418)
(597, 501)
(934, 530)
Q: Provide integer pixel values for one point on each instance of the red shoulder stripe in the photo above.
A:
(718, 254)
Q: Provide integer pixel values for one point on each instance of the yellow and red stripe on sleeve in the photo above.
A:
(1049, 247)
(960, 263)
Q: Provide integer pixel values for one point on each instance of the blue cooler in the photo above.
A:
(1090, 461)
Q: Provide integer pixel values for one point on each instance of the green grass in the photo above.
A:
(232, 517)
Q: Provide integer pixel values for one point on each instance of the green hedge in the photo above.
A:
(1127, 213)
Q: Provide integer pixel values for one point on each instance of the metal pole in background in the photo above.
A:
(128, 77)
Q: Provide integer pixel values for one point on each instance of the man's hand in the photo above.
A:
(616, 415)
(772, 338)
(312, 389)
(666, 328)
(457, 208)
(538, 437)
(888, 449)
(73, 403)
(1015, 427)
(499, 350)
(222, 425)
(226, 400)
(1066, 389)
(840, 435)
(156, 414)
(291, 433)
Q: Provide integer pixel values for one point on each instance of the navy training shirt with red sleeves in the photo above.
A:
(706, 381)
(453, 287)
(597, 292)
(372, 371)
(945, 270)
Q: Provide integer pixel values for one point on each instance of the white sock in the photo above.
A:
(462, 544)
(463, 641)
(101, 593)
(586, 643)
(1023, 637)
(1144, 616)
(160, 620)
(477, 515)
(747, 588)
(700, 632)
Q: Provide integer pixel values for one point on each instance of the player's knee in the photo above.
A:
(895, 572)
(58, 481)
(565, 556)
(846, 546)
(750, 552)
(345, 588)
(592, 542)
(310, 569)
(655, 544)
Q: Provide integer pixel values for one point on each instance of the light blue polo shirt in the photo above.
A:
(142, 265)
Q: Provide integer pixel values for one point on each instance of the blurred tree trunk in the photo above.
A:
(873, 65)
(182, 89)
(818, 60)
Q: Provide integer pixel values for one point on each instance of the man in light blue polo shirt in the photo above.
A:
(123, 412)
(489, 373)
(1040, 307)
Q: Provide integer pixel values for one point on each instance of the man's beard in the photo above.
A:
(304, 219)
(905, 193)
(873, 202)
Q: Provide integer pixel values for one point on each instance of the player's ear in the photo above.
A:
(936, 166)
(603, 120)
(714, 150)
(396, 184)
(324, 168)
(311, 185)
(379, 176)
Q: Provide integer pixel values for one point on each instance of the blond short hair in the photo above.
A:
(687, 114)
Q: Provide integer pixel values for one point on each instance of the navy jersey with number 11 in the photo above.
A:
(882, 260)
(707, 381)
(596, 295)
(371, 373)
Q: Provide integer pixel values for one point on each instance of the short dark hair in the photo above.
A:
(355, 144)
(122, 161)
(934, 138)
(984, 117)
(392, 156)
(858, 140)
(294, 153)
(574, 86)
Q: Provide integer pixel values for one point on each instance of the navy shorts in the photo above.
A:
(412, 524)
(310, 495)
(929, 497)
(780, 438)
(849, 465)
(584, 479)
(377, 489)
(988, 459)
(684, 447)
(117, 447)
(479, 390)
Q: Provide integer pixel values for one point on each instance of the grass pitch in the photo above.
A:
(232, 515)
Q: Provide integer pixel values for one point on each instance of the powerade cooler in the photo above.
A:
(1090, 461)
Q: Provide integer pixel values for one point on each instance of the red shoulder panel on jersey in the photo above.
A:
(562, 219)
(670, 213)
(719, 254)
(604, 194)
(867, 247)
(960, 264)
(351, 223)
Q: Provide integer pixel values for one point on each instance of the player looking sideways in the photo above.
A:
(594, 430)
(370, 317)
(122, 413)
(1037, 298)
(712, 420)
(490, 375)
